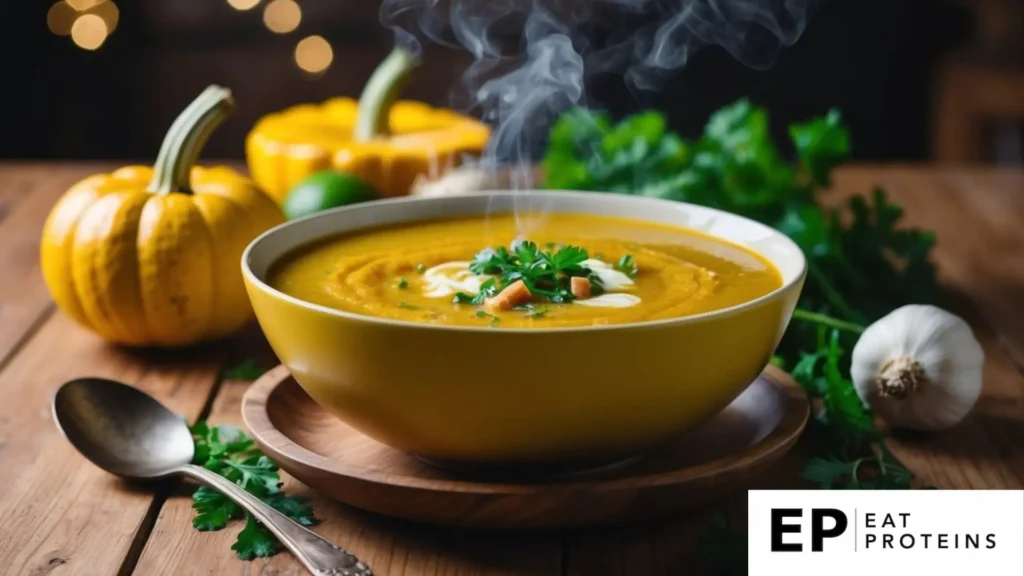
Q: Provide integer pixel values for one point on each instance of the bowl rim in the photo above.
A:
(260, 284)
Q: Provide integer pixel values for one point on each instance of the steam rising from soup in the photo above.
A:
(532, 59)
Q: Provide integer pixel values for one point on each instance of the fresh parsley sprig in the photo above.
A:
(852, 452)
(229, 452)
(546, 273)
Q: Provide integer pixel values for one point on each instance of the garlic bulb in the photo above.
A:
(918, 368)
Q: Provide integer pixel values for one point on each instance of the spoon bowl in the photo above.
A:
(122, 429)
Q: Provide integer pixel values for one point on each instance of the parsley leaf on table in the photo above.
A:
(231, 453)
(213, 442)
(213, 509)
(254, 541)
(853, 450)
(257, 474)
(295, 507)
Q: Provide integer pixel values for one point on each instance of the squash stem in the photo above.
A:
(808, 316)
(185, 140)
(381, 91)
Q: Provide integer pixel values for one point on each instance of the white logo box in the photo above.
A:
(928, 532)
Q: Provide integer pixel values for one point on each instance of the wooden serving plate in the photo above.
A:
(721, 455)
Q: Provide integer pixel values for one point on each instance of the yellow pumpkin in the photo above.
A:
(151, 256)
(388, 144)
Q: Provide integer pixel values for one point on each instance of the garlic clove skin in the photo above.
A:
(919, 368)
(459, 181)
(477, 177)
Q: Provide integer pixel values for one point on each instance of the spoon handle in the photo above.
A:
(319, 556)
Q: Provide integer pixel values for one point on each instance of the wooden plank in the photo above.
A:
(57, 509)
(27, 192)
(16, 183)
(991, 260)
(389, 547)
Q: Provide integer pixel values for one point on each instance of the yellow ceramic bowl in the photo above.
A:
(527, 396)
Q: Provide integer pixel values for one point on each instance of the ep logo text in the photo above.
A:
(824, 523)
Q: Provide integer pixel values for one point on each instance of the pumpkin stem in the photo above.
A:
(185, 139)
(900, 377)
(381, 91)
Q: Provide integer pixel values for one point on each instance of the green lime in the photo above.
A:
(325, 190)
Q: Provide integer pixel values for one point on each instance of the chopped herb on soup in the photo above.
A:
(567, 269)
(627, 265)
(487, 289)
(545, 274)
(482, 314)
(532, 311)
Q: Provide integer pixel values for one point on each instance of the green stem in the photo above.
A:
(185, 139)
(824, 320)
(381, 91)
(834, 297)
(856, 467)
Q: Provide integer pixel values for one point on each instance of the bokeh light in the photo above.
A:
(109, 13)
(313, 54)
(243, 4)
(60, 17)
(89, 31)
(88, 22)
(282, 16)
(83, 5)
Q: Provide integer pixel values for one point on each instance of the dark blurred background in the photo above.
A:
(916, 80)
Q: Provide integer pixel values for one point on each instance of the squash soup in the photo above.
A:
(565, 270)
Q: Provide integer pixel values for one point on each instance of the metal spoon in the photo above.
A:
(128, 433)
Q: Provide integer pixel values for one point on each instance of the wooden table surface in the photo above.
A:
(60, 514)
